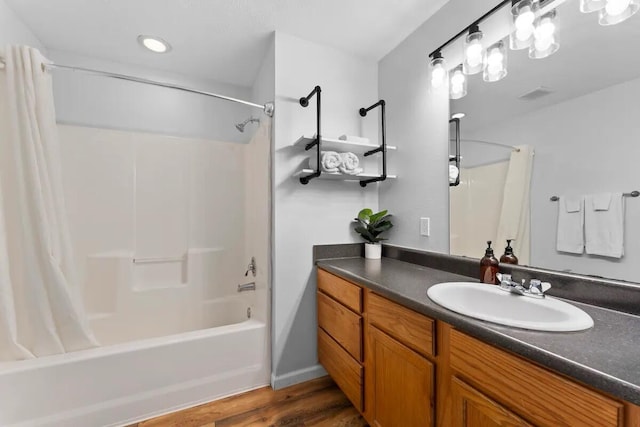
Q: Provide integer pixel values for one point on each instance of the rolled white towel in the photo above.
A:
(350, 163)
(330, 162)
(353, 138)
(453, 174)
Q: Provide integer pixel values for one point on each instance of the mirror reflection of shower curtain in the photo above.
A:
(515, 216)
(41, 312)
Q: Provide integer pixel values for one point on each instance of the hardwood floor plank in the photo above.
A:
(303, 410)
(298, 405)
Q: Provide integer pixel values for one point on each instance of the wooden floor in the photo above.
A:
(314, 403)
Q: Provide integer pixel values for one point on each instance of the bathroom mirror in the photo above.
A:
(573, 118)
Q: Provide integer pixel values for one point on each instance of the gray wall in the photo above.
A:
(417, 122)
(95, 101)
(585, 145)
(14, 31)
(320, 212)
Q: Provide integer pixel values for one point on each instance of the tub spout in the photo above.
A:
(251, 286)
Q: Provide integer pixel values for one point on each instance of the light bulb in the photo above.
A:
(545, 41)
(525, 18)
(524, 34)
(617, 11)
(457, 83)
(474, 54)
(457, 79)
(438, 71)
(495, 63)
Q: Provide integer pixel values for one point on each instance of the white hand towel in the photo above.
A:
(604, 224)
(352, 138)
(330, 162)
(570, 235)
(350, 163)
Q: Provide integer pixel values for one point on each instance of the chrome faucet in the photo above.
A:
(536, 288)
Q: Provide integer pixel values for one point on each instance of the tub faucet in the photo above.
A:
(251, 267)
(536, 288)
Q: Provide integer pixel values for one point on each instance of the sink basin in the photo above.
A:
(492, 304)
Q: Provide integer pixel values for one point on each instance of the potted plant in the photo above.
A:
(370, 225)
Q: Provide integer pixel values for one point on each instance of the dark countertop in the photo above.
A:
(606, 357)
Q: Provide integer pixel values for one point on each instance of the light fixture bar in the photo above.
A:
(466, 29)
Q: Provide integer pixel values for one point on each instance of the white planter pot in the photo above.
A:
(372, 250)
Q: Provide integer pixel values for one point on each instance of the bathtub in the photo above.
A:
(127, 382)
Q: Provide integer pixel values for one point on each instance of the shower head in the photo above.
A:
(240, 126)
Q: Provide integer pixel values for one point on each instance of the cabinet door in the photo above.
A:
(402, 384)
(473, 409)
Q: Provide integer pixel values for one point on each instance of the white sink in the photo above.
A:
(487, 302)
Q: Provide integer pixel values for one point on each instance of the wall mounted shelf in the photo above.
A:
(340, 145)
(340, 176)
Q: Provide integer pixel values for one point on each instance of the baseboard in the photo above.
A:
(296, 377)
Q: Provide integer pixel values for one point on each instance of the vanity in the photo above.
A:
(403, 360)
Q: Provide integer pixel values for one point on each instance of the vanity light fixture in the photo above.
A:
(154, 44)
(545, 37)
(523, 13)
(495, 62)
(457, 83)
(617, 11)
(473, 51)
(438, 71)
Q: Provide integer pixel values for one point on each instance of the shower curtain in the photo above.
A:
(515, 217)
(40, 306)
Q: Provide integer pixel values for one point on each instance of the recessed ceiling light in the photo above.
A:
(154, 44)
(458, 115)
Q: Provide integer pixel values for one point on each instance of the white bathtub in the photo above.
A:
(124, 383)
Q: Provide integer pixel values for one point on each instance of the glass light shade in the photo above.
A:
(473, 52)
(545, 37)
(495, 62)
(457, 83)
(438, 72)
(524, 15)
(588, 6)
(616, 11)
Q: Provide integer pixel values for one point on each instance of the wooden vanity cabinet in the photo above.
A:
(401, 368)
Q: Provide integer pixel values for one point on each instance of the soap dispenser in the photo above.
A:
(508, 257)
(488, 266)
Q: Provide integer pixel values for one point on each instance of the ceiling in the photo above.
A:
(591, 57)
(223, 40)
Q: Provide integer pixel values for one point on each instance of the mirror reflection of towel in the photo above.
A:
(570, 234)
(604, 224)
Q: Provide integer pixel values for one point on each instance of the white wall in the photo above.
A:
(417, 122)
(585, 145)
(96, 101)
(14, 31)
(320, 212)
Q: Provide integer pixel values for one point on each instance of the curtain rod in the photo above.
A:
(266, 108)
(497, 144)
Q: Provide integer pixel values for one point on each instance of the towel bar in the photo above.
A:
(632, 194)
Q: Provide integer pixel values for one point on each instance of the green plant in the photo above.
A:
(370, 225)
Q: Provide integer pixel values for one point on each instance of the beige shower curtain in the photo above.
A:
(515, 216)
(40, 306)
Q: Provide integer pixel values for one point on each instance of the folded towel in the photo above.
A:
(352, 138)
(330, 162)
(453, 174)
(570, 234)
(604, 224)
(350, 163)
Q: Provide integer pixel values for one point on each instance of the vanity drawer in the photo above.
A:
(410, 328)
(342, 324)
(344, 369)
(541, 396)
(339, 289)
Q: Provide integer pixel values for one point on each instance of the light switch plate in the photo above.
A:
(425, 226)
